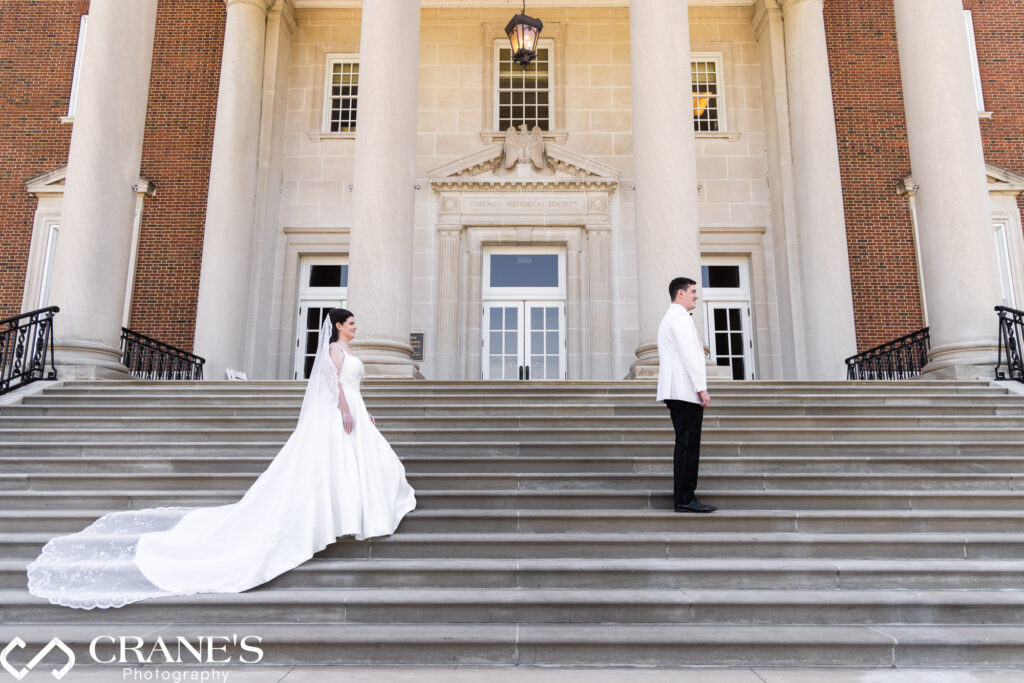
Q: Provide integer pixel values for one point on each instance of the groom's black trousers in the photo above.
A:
(686, 419)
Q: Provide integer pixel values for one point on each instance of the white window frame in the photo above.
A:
(1003, 246)
(320, 297)
(719, 62)
(332, 59)
(502, 43)
(731, 296)
(76, 75)
(972, 49)
(49, 252)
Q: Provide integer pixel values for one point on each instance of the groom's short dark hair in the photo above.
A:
(678, 283)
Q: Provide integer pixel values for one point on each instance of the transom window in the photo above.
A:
(708, 107)
(341, 93)
(523, 95)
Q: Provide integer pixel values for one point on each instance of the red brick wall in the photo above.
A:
(38, 41)
(873, 156)
(999, 36)
(176, 156)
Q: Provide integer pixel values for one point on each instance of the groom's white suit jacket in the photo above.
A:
(681, 371)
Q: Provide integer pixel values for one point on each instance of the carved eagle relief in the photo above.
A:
(525, 146)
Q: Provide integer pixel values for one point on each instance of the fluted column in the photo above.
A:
(664, 156)
(827, 298)
(384, 176)
(954, 220)
(449, 238)
(93, 251)
(230, 206)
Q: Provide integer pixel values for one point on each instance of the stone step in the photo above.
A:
(680, 574)
(389, 410)
(416, 464)
(109, 499)
(477, 435)
(511, 423)
(583, 482)
(642, 544)
(594, 449)
(57, 521)
(552, 605)
(628, 645)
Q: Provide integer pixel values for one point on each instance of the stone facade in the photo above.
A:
(764, 187)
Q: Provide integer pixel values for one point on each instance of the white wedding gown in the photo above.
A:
(321, 485)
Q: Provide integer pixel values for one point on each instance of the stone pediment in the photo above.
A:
(1000, 181)
(559, 169)
(53, 183)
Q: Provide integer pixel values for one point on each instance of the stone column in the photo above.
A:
(599, 300)
(91, 264)
(827, 298)
(948, 165)
(384, 177)
(448, 256)
(665, 160)
(230, 206)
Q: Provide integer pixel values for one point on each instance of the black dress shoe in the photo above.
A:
(695, 506)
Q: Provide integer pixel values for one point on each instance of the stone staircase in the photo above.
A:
(861, 524)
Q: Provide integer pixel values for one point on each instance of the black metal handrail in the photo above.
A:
(900, 358)
(148, 358)
(1011, 335)
(25, 341)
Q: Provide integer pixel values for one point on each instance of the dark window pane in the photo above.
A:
(738, 369)
(722, 361)
(313, 319)
(308, 368)
(495, 318)
(524, 270)
(737, 344)
(722, 276)
(720, 319)
(734, 319)
(721, 343)
(325, 276)
(312, 339)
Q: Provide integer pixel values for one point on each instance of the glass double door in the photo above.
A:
(524, 340)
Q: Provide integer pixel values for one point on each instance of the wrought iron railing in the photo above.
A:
(1011, 336)
(900, 358)
(147, 358)
(25, 342)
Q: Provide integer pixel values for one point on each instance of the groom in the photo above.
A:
(682, 385)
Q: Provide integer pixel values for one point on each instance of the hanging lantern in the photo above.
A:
(523, 32)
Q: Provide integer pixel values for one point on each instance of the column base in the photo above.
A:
(386, 358)
(88, 359)
(963, 360)
(646, 365)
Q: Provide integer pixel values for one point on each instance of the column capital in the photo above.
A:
(790, 4)
(763, 12)
(262, 5)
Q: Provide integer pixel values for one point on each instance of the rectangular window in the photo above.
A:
(47, 279)
(76, 75)
(972, 50)
(341, 92)
(523, 95)
(708, 105)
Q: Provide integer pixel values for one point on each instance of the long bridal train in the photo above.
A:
(322, 484)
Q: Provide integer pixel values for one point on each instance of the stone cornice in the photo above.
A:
(1000, 181)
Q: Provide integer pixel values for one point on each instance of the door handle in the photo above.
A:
(527, 372)
(520, 372)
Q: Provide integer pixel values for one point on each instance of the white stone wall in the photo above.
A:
(593, 104)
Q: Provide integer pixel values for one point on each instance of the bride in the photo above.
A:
(335, 476)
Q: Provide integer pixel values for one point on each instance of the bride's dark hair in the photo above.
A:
(338, 315)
